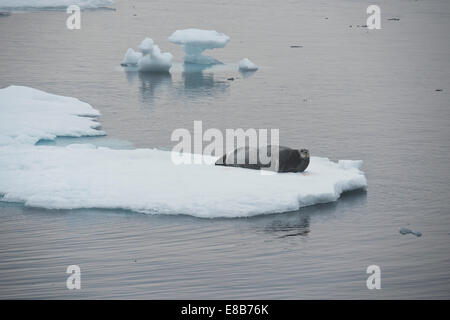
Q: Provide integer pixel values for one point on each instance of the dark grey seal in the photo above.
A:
(289, 160)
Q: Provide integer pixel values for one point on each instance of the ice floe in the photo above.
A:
(28, 115)
(48, 4)
(148, 181)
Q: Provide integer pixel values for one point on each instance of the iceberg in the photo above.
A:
(55, 4)
(155, 61)
(131, 58)
(146, 46)
(142, 180)
(195, 41)
(149, 59)
(246, 65)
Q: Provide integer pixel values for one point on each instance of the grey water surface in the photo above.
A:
(345, 93)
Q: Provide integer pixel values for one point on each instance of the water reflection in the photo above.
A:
(194, 78)
(153, 83)
(132, 76)
(187, 81)
(292, 225)
(247, 74)
(298, 223)
(198, 83)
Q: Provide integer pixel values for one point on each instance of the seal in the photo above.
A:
(289, 160)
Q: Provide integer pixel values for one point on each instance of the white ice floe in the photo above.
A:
(147, 181)
(28, 115)
(195, 41)
(246, 65)
(62, 4)
(142, 180)
(150, 59)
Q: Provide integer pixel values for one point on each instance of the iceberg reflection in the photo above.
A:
(187, 81)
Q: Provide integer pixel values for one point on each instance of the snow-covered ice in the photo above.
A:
(28, 115)
(150, 59)
(142, 180)
(41, 4)
(246, 65)
(195, 41)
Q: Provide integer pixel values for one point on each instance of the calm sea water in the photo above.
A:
(347, 93)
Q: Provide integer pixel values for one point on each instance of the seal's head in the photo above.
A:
(304, 154)
(304, 160)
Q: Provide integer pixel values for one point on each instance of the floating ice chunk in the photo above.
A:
(131, 58)
(28, 115)
(246, 65)
(146, 46)
(155, 61)
(150, 59)
(195, 41)
(62, 4)
(407, 231)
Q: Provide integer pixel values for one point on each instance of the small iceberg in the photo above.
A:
(146, 46)
(131, 58)
(246, 65)
(149, 59)
(195, 41)
(409, 231)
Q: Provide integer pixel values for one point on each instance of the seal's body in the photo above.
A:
(289, 160)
